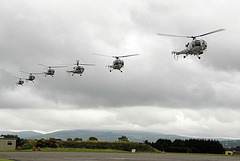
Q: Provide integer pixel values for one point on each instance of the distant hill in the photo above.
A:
(111, 135)
(102, 135)
(21, 134)
(230, 143)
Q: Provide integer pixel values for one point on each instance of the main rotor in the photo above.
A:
(83, 63)
(49, 67)
(117, 57)
(193, 37)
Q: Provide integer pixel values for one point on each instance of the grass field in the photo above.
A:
(2, 159)
(81, 150)
(74, 150)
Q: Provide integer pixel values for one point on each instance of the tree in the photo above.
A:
(162, 144)
(69, 139)
(92, 139)
(77, 139)
(123, 138)
(178, 143)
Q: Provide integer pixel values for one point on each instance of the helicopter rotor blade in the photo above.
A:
(60, 66)
(193, 37)
(30, 73)
(20, 78)
(210, 33)
(126, 56)
(37, 73)
(101, 55)
(43, 65)
(174, 35)
(116, 56)
(25, 72)
(87, 64)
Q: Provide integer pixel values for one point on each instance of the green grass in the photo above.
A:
(74, 150)
(2, 159)
(82, 150)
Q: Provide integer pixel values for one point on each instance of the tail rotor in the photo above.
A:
(174, 53)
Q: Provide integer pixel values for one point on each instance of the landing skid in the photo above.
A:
(196, 55)
(112, 70)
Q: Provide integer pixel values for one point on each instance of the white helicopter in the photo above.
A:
(78, 69)
(118, 63)
(196, 47)
(20, 81)
(50, 70)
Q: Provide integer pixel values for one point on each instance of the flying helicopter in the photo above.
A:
(196, 47)
(78, 69)
(31, 76)
(117, 63)
(50, 70)
(20, 81)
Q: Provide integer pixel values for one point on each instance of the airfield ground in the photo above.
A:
(93, 156)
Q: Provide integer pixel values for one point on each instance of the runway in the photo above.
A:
(92, 156)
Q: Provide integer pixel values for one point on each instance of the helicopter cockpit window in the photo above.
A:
(197, 43)
(204, 43)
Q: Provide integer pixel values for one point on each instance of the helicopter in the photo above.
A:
(31, 76)
(196, 47)
(118, 63)
(50, 70)
(78, 69)
(20, 81)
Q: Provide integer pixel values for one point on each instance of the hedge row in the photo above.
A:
(126, 146)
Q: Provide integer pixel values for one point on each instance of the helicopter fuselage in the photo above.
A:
(78, 70)
(20, 82)
(117, 64)
(31, 78)
(195, 47)
(50, 71)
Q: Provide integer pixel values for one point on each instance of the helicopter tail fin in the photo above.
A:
(175, 55)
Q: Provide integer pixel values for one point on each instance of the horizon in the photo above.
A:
(102, 130)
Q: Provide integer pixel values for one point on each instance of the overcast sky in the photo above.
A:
(154, 93)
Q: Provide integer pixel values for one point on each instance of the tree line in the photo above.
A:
(188, 146)
(178, 145)
(90, 144)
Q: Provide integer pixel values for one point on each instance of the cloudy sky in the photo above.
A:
(154, 93)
